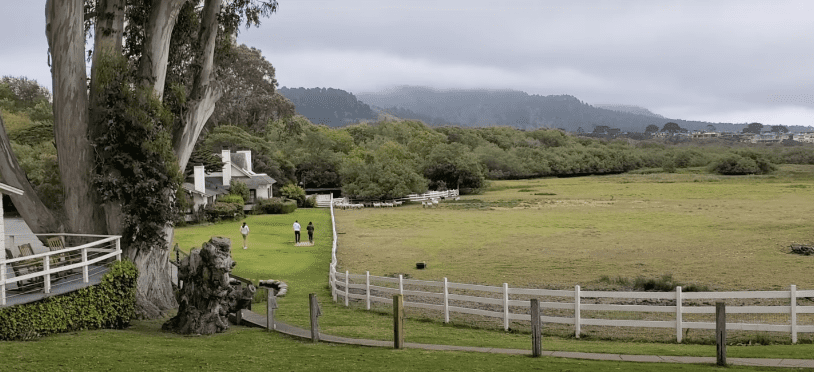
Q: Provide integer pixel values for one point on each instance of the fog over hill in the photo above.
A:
(481, 108)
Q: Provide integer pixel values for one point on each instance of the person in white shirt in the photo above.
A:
(245, 231)
(296, 232)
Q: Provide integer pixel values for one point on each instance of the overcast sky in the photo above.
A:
(719, 61)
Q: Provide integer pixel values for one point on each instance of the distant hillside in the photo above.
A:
(629, 108)
(481, 107)
(329, 106)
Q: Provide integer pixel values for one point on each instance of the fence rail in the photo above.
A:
(513, 304)
(36, 271)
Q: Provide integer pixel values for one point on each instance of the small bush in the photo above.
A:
(223, 211)
(232, 198)
(294, 192)
(274, 206)
(744, 162)
(239, 188)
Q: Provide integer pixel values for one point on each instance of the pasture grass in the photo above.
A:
(719, 232)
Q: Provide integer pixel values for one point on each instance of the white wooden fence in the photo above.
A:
(326, 200)
(512, 304)
(103, 248)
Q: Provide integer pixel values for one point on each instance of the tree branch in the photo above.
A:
(156, 50)
(38, 217)
(204, 94)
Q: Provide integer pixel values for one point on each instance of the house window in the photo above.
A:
(252, 195)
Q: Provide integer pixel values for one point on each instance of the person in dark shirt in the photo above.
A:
(310, 229)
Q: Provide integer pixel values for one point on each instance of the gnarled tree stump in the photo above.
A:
(207, 298)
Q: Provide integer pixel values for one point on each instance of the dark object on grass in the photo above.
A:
(420, 265)
(802, 249)
(208, 296)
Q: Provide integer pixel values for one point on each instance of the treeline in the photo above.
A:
(388, 159)
(332, 107)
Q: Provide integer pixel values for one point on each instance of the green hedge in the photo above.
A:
(110, 304)
(219, 210)
(275, 206)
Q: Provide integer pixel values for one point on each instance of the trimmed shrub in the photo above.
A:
(239, 188)
(223, 211)
(294, 192)
(232, 198)
(110, 304)
(274, 206)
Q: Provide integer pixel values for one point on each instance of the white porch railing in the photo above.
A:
(88, 256)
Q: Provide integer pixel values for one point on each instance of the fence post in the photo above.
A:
(347, 288)
(118, 249)
(505, 306)
(315, 313)
(793, 306)
(398, 321)
(679, 319)
(85, 265)
(3, 286)
(536, 329)
(401, 284)
(46, 264)
(271, 306)
(238, 317)
(577, 326)
(333, 282)
(367, 290)
(720, 332)
(446, 301)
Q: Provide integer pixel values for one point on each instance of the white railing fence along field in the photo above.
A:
(676, 310)
(42, 269)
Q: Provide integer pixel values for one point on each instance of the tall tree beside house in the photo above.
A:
(153, 76)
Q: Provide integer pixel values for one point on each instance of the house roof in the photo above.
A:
(207, 191)
(10, 189)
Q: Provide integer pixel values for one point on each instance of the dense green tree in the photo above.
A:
(387, 172)
(754, 128)
(652, 128)
(672, 128)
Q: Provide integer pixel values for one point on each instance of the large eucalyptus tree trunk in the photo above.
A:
(74, 112)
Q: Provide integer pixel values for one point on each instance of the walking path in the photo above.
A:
(257, 320)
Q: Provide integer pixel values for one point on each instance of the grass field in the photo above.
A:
(729, 233)
(271, 255)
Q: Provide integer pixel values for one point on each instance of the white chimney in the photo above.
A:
(248, 155)
(199, 178)
(227, 166)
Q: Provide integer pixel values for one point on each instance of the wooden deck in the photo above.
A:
(65, 285)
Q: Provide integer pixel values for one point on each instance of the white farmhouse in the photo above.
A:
(206, 188)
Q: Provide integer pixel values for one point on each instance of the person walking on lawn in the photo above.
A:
(244, 230)
(310, 229)
(296, 231)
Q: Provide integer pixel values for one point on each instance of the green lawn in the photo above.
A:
(143, 347)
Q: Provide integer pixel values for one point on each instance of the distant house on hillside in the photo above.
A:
(804, 137)
(206, 188)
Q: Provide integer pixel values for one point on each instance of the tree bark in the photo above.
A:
(66, 41)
